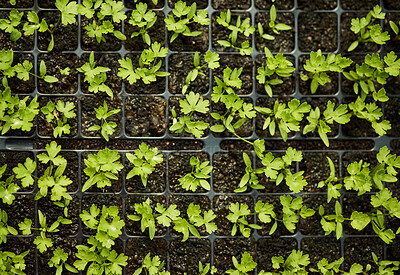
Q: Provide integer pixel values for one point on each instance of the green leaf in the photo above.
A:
(359, 220)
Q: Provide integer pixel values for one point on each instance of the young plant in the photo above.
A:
(274, 65)
(42, 241)
(7, 188)
(203, 270)
(11, 263)
(107, 128)
(286, 118)
(318, 65)
(189, 105)
(339, 115)
(246, 265)
(211, 61)
(59, 261)
(5, 229)
(99, 259)
(15, 113)
(332, 223)
(197, 177)
(367, 31)
(273, 27)
(374, 70)
(372, 113)
(144, 161)
(68, 9)
(242, 27)
(148, 69)
(144, 20)
(61, 112)
(53, 178)
(395, 29)
(151, 266)
(101, 168)
(295, 263)
(235, 106)
(249, 179)
(183, 16)
(95, 76)
(103, 9)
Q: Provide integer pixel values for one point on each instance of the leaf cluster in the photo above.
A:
(148, 69)
(107, 128)
(182, 16)
(152, 266)
(61, 112)
(144, 20)
(101, 168)
(273, 27)
(198, 176)
(241, 27)
(144, 161)
(274, 65)
(11, 263)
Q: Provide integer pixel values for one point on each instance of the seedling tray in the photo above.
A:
(319, 24)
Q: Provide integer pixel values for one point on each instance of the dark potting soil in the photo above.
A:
(67, 84)
(358, 250)
(190, 43)
(12, 159)
(157, 87)
(116, 185)
(280, 5)
(228, 170)
(219, 32)
(46, 129)
(221, 205)
(133, 228)
(321, 247)
(275, 247)
(156, 32)
(47, 4)
(225, 249)
(89, 119)
(391, 4)
(393, 250)
(231, 4)
(19, 4)
(186, 258)
(284, 42)
(312, 225)
(317, 31)
(392, 85)
(394, 43)
(156, 183)
(329, 88)
(183, 202)
(145, 116)
(24, 43)
(22, 208)
(200, 4)
(60, 33)
(286, 88)
(359, 4)
(108, 60)
(90, 43)
(137, 248)
(179, 66)
(316, 167)
(317, 5)
(179, 166)
(392, 114)
(347, 36)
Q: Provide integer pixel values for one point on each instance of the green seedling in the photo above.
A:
(143, 19)
(182, 17)
(242, 27)
(273, 27)
(107, 128)
(151, 266)
(11, 263)
(59, 261)
(197, 177)
(60, 112)
(246, 265)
